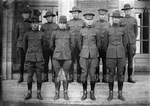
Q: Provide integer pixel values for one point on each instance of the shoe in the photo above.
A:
(29, 95)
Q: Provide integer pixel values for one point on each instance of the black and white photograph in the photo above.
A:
(74, 52)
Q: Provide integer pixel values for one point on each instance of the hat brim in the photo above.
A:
(102, 10)
(26, 12)
(89, 14)
(127, 8)
(75, 11)
(45, 16)
(35, 21)
(117, 16)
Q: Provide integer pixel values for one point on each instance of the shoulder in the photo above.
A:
(44, 25)
(54, 26)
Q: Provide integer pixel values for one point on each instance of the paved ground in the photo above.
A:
(137, 94)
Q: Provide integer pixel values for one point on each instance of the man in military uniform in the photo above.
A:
(115, 42)
(101, 25)
(89, 43)
(48, 28)
(21, 29)
(34, 45)
(75, 25)
(62, 43)
(130, 24)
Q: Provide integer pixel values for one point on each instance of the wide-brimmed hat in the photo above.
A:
(127, 7)
(49, 13)
(116, 14)
(75, 9)
(89, 14)
(26, 11)
(63, 19)
(86, 15)
(102, 11)
(35, 19)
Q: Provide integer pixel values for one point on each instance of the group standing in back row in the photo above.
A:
(81, 41)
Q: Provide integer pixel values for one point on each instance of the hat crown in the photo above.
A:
(63, 19)
(127, 6)
(116, 13)
(75, 8)
(26, 10)
(49, 13)
(34, 19)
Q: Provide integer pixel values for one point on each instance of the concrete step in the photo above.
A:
(135, 94)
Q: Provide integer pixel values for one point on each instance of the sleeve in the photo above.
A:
(136, 29)
(79, 41)
(52, 42)
(44, 45)
(42, 29)
(25, 42)
(125, 40)
(106, 40)
(98, 40)
(72, 40)
(17, 31)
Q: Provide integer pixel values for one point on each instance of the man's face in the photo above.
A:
(34, 25)
(88, 22)
(25, 15)
(127, 12)
(101, 16)
(75, 14)
(116, 20)
(62, 25)
(49, 18)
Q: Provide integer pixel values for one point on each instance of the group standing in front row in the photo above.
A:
(81, 41)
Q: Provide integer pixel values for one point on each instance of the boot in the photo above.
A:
(92, 96)
(57, 88)
(111, 86)
(71, 78)
(29, 95)
(65, 86)
(53, 76)
(39, 85)
(97, 74)
(20, 79)
(120, 86)
(45, 78)
(104, 79)
(79, 75)
(84, 84)
(130, 70)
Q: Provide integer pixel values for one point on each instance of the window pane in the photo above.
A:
(145, 46)
(138, 47)
(145, 33)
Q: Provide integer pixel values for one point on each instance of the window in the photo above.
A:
(142, 42)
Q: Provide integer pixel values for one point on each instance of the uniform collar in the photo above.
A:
(116, 25)
(89, 26)
(35, 30)
(127, 16)
(102, 20)
(27, 20)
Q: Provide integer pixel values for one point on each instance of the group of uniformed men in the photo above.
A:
(84, 42)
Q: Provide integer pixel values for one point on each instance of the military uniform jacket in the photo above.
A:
(89, 42)
(34, 45)
(75, 25)
(20, 30)
(48, 28)
(115, 42)
(101, 25)
(130, 24)
(63, 42)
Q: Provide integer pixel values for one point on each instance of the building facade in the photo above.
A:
(12, 14)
